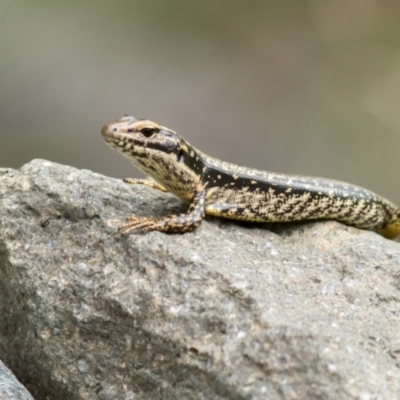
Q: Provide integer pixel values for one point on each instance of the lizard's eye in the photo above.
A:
(149, 132)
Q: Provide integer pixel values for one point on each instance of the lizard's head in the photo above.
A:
(157, 151)
(131, 136)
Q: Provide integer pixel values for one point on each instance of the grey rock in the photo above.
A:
(229, 311)
(10, 388)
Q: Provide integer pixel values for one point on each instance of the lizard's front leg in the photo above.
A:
(146, 182)
(178, 223)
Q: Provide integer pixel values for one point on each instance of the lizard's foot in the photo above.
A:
(134, 223)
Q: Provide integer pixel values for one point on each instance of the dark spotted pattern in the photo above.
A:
(214, 187)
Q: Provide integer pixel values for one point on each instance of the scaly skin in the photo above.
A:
(217, 188)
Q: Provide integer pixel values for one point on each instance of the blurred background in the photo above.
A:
(296, 86)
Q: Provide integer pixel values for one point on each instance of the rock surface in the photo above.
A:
(10, 388)
(225, 312)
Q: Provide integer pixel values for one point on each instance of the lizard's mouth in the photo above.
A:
(119, 141)
(116, 139)
(112, 132)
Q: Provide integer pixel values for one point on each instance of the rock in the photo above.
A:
(228, 311)
(10, 388)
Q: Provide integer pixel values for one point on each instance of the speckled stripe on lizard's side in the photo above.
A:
(215, 187)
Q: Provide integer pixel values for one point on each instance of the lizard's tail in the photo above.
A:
(392, 228)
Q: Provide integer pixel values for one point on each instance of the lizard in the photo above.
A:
(217, 188)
